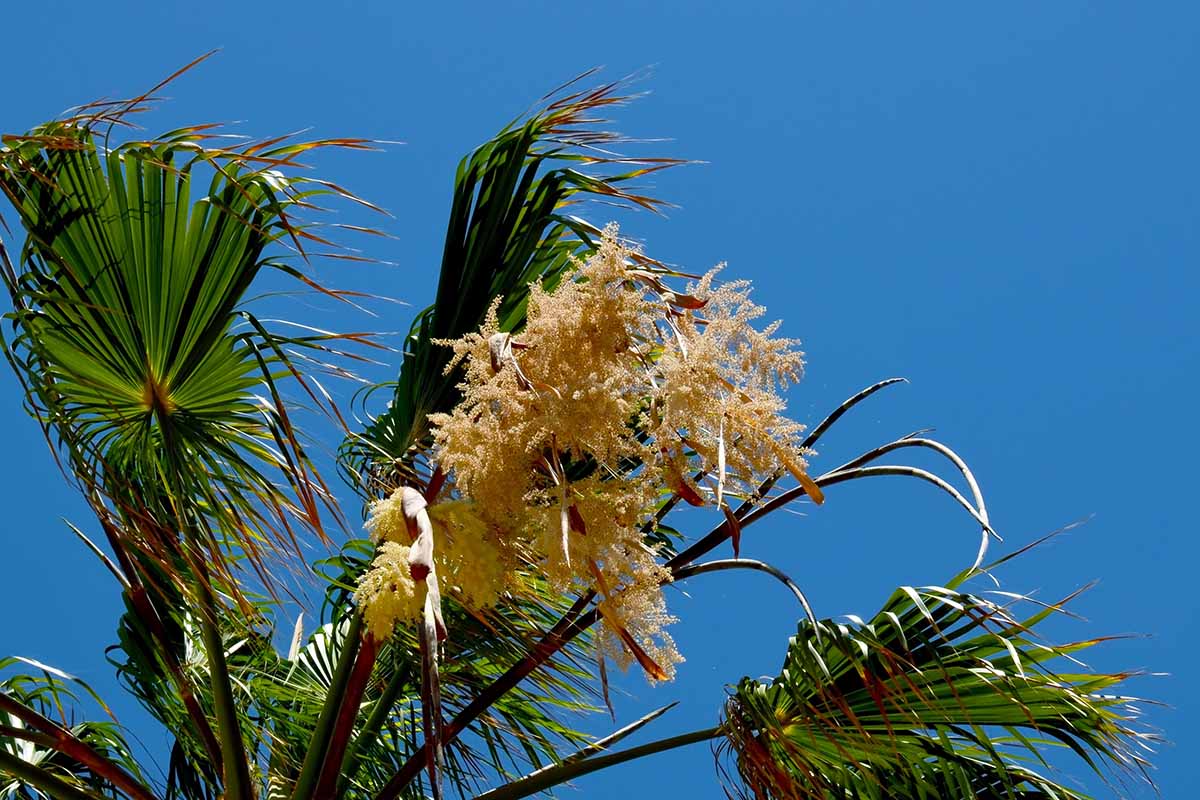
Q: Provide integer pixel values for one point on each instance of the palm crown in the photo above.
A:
(163, 395)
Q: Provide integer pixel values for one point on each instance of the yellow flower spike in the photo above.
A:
(387, 594)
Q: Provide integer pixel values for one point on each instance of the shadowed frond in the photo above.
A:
(45, 752)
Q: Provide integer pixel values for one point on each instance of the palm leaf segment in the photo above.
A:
(128, 335)
(508, 227)
(941, 694)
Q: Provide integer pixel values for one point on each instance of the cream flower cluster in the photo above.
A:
(571, 433)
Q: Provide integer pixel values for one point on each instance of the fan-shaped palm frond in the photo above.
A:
(132, 344)
(159, 388)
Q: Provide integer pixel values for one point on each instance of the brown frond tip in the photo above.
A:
(116, 113)
(566, 118)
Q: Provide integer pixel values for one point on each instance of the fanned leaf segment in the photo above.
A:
(509, 226)
(941, 694)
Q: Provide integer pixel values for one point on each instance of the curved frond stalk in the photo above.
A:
(939, 689)
(561, 773)
(718, 535)
(841, 476)
(720, 565)
(932, 444)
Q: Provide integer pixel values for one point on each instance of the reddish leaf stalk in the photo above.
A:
(148, 614)
(347, 713)
(566, 629)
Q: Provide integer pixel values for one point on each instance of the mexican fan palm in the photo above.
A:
(558, 400)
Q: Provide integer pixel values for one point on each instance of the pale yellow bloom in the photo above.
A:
(474, 566)
(385, 520)
(387, 594)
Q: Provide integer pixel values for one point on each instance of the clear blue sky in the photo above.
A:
(997, 201)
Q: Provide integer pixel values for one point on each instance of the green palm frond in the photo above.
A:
(942, 694)
(162, 393)
(509, 226)
(131, 341)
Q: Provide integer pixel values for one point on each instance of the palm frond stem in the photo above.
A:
(233, 749)
(318, 744)
(561, 773)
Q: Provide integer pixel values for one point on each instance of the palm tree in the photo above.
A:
(166, 400)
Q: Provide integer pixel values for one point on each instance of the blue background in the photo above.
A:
(996, 201)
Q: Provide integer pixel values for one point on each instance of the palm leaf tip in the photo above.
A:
(941, 694)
